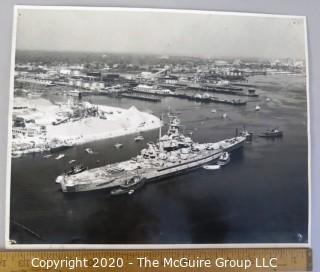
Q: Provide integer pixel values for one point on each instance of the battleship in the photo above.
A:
(173, 154)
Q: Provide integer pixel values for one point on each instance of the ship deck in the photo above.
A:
(116, 174)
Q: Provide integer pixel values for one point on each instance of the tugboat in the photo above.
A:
(247, 134)
(224, 159)
(130, 186)
(274, 133)
(75, 169)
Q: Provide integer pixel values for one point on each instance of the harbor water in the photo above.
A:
(261, 196)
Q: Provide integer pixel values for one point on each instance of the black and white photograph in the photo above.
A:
(157, 128)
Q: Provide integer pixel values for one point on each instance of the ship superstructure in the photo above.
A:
(173, 154)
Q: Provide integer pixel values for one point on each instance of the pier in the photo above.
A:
(202, 99)
(157, 97)
(141, 96)
(244, 85)
(225, 90)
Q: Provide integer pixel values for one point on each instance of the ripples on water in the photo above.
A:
(260, 197)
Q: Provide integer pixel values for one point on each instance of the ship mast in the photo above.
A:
(161, 117)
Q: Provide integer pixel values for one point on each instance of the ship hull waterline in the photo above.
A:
(156, 175)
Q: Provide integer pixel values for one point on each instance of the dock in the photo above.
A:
(202, 99)
(244, 85)
(157, 97)
(225, 90)
(141, 96)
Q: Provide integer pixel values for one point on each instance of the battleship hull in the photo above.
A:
(97, 180)
(152, 175)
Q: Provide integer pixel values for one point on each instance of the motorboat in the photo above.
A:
(118, 145)
(60, 156)
(75, 169)
(89, 150)
(224, 159)
(139, 138)
(274, 133)
(211, 167)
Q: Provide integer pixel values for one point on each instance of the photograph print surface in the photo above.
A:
(142, 127)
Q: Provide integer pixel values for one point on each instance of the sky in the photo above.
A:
(162, 33)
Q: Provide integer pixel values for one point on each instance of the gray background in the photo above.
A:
(309, 8)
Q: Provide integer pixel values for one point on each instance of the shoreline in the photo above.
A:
(108, 122)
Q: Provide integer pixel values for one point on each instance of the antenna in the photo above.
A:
(160, 126)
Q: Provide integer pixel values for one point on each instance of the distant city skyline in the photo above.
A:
(206, 35)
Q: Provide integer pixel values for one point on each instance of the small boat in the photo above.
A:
(257, 108)
(72, 161)
(268, 99)
(130, 186)
(131, 192)
(224, 116)
(60, 156)
(78, 168)
(134, 182)
(47, 156)
(139, 138)
(224, 159)
(75, 169)
(247, 134)
(211, 167)
(213, 110)
(118, 145)
(274, 133)
(119, 191)
(89, 150)
(16, 155)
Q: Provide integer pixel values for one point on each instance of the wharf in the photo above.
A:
(230, 92)
(157, 97)
(231, 88)
(141, 96)
(225, 90)
(235, 102)
(244, 84)
(90, 93)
